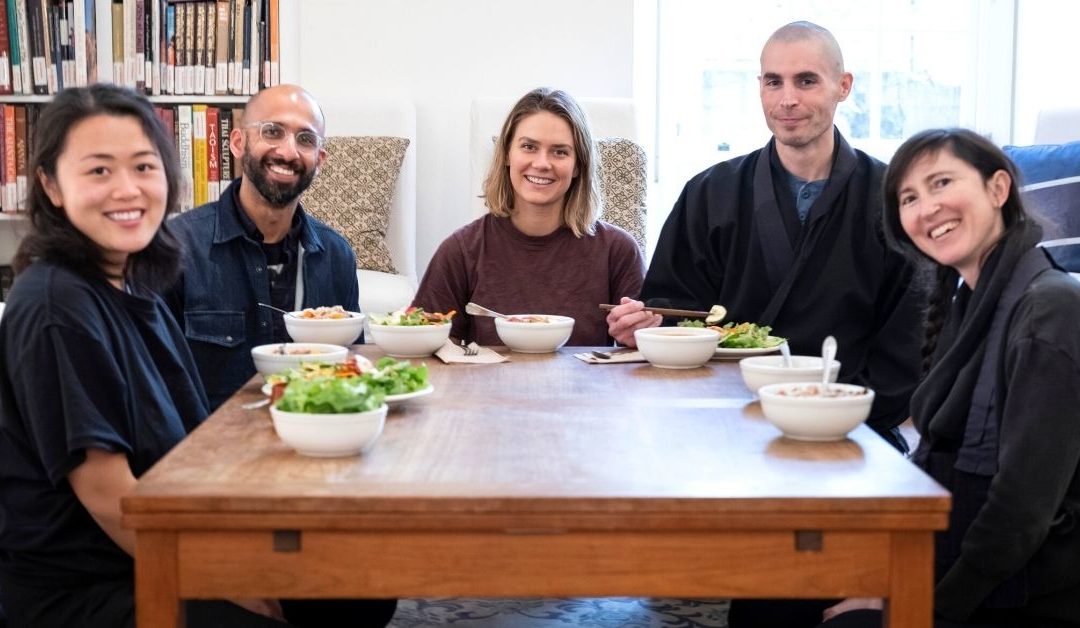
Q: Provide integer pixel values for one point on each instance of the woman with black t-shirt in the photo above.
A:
(96, 380)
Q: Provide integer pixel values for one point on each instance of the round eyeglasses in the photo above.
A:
(274, 133)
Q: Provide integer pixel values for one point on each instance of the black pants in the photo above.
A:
(807, 614)
(111, 604)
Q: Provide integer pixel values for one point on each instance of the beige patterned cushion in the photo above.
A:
(622, 185)
(353, 192)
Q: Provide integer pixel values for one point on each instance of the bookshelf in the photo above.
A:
(113, 64)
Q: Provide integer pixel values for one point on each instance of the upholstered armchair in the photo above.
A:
(366, 189)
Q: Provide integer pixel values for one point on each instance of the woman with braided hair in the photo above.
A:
(998, 409)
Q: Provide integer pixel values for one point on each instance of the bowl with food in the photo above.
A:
(740, 340)
(329, 416)
(283, 356)
(534, 333)
(398, 380)
(410, 333)
(676, 347)
(762, 370)
(806, 411)
(330, 325)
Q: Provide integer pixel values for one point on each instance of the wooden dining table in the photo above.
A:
(540, 476)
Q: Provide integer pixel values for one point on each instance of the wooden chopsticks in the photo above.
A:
(663, 311)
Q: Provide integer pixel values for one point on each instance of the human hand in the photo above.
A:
(628, 316)
(852, 604)
(267, 607)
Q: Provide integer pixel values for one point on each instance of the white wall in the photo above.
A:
(1046, 57)
(443, 53)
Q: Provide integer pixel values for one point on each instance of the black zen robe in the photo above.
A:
(730, 241)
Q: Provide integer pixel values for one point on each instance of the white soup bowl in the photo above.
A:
(676, 347)
(282, 356)
(801, 412)
(409, 341)
(535, 337)
(762, 370)
(335, 331)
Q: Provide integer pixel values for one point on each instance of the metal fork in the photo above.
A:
(470, 349)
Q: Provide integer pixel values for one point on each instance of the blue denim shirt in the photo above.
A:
(225, 276)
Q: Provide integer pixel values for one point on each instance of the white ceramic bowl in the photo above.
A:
(335, 331)
(269, 359)
(763, 370)
(329, 435)
(409, 341)
(535, 337)
(809, 416)
(676, 347)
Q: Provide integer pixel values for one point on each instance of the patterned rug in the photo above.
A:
(563, 612)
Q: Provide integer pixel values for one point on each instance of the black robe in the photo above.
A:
(730, 241)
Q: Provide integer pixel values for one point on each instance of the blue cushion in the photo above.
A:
(1045, 162)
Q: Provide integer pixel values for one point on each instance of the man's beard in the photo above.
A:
(277, 194)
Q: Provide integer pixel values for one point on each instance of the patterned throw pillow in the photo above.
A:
(623, 185)
(353, 192)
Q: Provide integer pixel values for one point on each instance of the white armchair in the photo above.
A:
(382, 291)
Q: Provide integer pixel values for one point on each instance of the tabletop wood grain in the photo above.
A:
(545, 435)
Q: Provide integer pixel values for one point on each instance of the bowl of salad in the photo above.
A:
(283, 356)
(332, 325)
(397, 380)
(329, 416)
(410, 333)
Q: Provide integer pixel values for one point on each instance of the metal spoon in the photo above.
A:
(480, 310)
(785, 353)
(271, 307)
(828, 352)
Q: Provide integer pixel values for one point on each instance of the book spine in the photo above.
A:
(148, 25)
(199, 65)
(189, 48)
(11, 186)
(236, 37)
(275, 42)
(253, 53)
(198, 152)
(22, 156)
(170, 54)
(225, 154)
(79, 33)
(32, 13)
(5, 55)
(245, 78)
(68, 33)
(154, 63)
(26, 52)
(213, 160)
(54, 52)
(118, 52)
(183, 149)
(127, 27)
(221, 48)
(16, 52)
(210, 54)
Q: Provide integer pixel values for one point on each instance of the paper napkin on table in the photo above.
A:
(455, 354)
(620, 357)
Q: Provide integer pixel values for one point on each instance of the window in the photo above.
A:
(916, 63)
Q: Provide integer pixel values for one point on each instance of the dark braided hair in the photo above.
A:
(982, 155)
(52, 236)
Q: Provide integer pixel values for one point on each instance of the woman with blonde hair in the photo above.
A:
(541, 248)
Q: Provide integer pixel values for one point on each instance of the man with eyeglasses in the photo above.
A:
(257, 245)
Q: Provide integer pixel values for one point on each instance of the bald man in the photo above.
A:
(257, 245)
(789, 235)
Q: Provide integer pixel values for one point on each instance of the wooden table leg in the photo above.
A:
(911, 581)
(157, 583)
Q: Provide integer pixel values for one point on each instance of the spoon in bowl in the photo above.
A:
(785, 353)
(271, 307)
(828, 352)
(479, 310)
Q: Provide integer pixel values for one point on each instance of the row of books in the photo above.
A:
(200, 132)
(158, 47)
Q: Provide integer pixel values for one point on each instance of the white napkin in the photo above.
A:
(451, 353)
(621, 357)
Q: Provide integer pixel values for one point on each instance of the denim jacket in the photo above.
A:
(225, 276)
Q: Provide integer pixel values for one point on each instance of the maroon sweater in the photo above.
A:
(492, 263)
